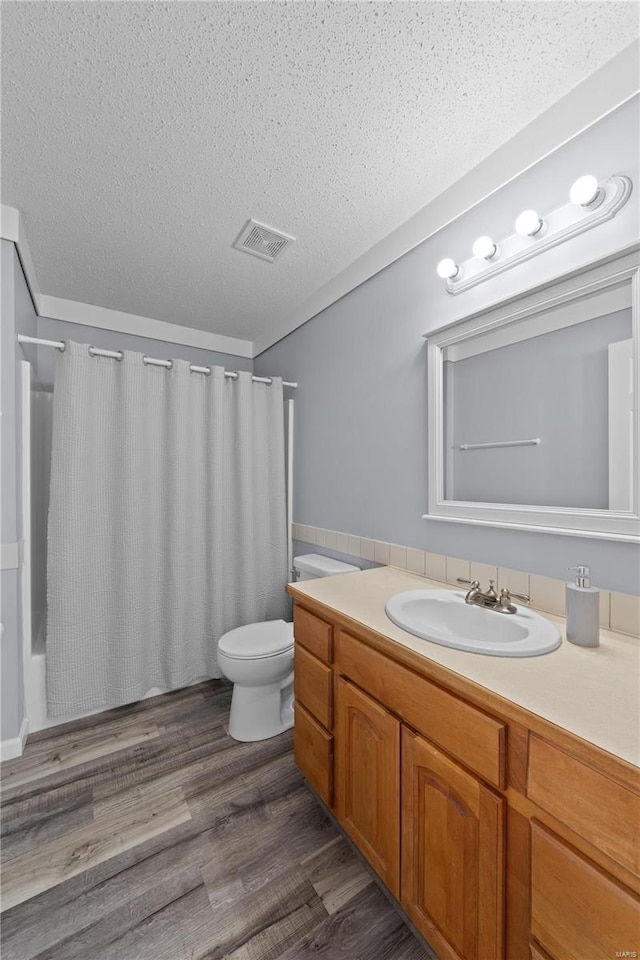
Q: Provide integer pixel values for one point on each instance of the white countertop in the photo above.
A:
(592, 692)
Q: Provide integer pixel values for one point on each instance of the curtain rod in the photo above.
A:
(151, 361)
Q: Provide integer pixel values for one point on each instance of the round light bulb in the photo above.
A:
(584, 191)
(529, 223)
(447, 269)
(484, 248)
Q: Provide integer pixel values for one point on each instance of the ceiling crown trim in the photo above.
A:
(93, 316)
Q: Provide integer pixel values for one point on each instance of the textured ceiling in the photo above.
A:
(139, 137)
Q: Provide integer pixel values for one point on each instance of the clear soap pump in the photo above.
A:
(583, 610)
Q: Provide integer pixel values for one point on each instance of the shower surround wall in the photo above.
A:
(17, 315)
(361, 410)
(41, 425)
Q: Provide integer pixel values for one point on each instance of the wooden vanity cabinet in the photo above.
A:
(502, 836)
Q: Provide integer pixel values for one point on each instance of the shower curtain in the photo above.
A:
(166, 524)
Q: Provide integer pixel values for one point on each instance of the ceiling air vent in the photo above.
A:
(262, 241)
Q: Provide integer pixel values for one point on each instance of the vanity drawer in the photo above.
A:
(467, 734)
(313, 633)
(577, 910)
(313, 753)
(600, 810)
(313, 687)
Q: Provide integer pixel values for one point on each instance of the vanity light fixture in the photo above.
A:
(591, 202)
(484, 249)
(529, 224)
(448, 269)
(585, 192)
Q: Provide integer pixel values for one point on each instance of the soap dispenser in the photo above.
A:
(583, 610)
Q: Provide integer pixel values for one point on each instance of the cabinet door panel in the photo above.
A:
(367, 768)
(452, 854)
(577, 910)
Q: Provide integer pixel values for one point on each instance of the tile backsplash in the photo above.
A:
(618, 611)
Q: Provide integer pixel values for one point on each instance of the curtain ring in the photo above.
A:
(112, 354)
(165, 364)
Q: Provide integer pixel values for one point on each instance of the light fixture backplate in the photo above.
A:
(564, 223)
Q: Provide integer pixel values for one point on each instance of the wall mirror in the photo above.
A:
(534, 410)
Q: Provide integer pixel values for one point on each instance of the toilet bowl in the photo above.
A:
(258, 659)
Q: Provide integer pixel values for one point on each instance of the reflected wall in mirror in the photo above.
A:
(533, 409)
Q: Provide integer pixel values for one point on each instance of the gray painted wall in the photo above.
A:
(361, 439)
(555, 387)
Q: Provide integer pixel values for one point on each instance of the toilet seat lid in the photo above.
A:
(257, 640)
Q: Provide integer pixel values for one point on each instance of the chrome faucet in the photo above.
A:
(489, 599)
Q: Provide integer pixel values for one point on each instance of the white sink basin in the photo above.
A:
(442, 616)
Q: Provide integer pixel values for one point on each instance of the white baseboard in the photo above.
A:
(14, 747)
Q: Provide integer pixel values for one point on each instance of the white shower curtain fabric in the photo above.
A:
(166, 527)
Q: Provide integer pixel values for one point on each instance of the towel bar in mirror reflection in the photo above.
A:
(499, 443)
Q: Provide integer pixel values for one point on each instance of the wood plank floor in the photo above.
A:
(147, 833)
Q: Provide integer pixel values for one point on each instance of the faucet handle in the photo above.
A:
(507, 595)
(473, 583)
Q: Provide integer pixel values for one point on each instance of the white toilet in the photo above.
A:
(258, 658)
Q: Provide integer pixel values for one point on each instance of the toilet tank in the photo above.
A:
(309, 566)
